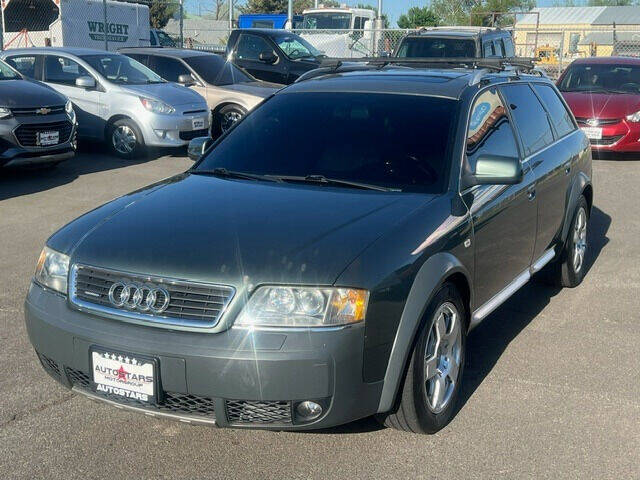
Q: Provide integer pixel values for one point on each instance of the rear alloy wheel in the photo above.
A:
(125, 139)
(572, 268)
(428, 396)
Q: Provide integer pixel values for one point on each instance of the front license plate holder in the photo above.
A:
(593, 133)
(198, 124)
(48, 138)
(124, 374)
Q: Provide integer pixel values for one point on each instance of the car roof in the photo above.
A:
(442, 82)
(271, 32)
(167, 52)
(459, 32)
(608, 60)
(77, 51)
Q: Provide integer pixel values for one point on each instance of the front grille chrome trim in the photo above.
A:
(164, 320)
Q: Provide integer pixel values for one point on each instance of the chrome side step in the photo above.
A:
(150, 413)
(500, 297)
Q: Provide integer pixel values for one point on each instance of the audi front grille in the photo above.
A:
(148, 299)
(27, 133)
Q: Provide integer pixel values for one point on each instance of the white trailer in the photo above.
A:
(74, 23)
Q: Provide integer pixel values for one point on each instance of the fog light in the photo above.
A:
(161, 133)
(308, 410)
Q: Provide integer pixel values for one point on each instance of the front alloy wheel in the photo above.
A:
(442, 357)
(124, 139)
(427, 398)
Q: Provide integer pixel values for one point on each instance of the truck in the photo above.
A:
(74, 23)
(340, 32)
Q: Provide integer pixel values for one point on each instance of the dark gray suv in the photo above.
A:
(37, 124)
(304, 288)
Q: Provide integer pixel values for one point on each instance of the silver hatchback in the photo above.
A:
(117, 98)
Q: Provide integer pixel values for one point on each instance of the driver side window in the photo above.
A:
(250, 47)
(489, 131)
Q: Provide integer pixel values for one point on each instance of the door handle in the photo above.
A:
(531, 193)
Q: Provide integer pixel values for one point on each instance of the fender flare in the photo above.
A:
(430, 277)
(579, 184)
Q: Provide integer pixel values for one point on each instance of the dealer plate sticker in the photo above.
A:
(197, 123)
(48, 138)
(593, 133)
(124, 375)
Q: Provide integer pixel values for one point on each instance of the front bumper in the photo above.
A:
(622, 136)
(13, 152)
(238, 378)
(176, 129)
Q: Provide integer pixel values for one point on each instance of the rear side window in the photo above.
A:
(490, 131)
(530, 117)
(488, 50)
(26, 65)
(560, 116)
(499, 48)
(412, 47)
(62, 70)
(509, 50)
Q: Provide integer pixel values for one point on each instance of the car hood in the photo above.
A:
(28, 94)
(170, 93)
(236, 232)
(258, 89)
(602, 105)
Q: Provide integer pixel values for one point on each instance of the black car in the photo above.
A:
(302, 288)
(457, 42)
(37, 124)
(272, 55)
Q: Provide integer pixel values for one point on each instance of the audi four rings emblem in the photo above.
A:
(143, 298)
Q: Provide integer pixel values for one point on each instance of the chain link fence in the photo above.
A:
(109, 24)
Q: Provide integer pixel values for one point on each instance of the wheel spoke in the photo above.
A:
(438, 391)
(430, 367)
(441, 326)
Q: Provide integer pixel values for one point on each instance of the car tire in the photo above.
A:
(125, 139)
(570, 270)
(427, 400)
(225, 118)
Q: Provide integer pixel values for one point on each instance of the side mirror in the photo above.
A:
(268, 57)
(198, 146)
(186, 79)
(86, 82)
(494, 170)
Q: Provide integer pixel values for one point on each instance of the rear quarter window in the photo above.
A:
(560, 116)
(529, 116)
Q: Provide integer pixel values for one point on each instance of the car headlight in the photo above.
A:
(156, 106)
(52, 270)
(284, 306)
(5, 112)
(68, 107)
(634, 117)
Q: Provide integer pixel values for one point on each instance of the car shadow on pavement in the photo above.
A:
(491, 338)
(90, 158)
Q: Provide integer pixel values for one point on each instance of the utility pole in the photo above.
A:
(315, 3)
(377, 34)
(230, 15)
(290, 14)
(104, 19)
(181, 24)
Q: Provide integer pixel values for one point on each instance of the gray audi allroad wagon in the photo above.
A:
(298, 289)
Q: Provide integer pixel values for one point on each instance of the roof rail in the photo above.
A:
(484, 65)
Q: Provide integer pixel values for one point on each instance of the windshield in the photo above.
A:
(327, 20)
(609, 78)
(296, 47)
(413, 47)
(388, 140)
(215, 70)
(7, 73)
(121, 69)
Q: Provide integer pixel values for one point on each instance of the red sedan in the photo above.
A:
(604, 95)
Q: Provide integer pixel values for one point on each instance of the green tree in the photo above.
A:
(160, 12)
(418, 17)
(452, 12)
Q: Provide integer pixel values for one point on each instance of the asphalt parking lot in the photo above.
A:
(552, 383)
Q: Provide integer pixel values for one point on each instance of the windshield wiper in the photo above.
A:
(223, 172)
(322, 180)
